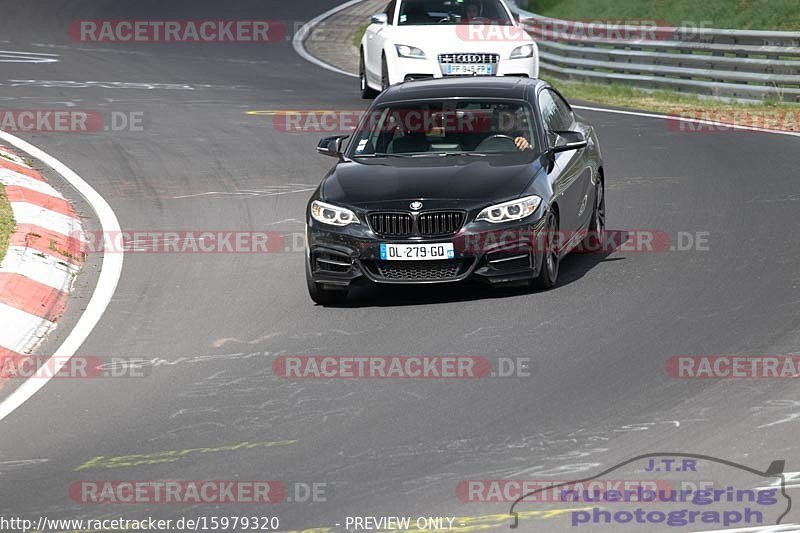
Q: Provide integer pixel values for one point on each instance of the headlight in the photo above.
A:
(331, 214)
(508, 211)
(409, 51)
(526, 50)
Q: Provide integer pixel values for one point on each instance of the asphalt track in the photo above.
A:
(599, 393)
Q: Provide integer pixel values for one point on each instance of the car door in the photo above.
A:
(376, 38)
(580, 160)
(568, 186)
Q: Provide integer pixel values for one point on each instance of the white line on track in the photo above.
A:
(690, 120)
(110, 272)
(303, 33)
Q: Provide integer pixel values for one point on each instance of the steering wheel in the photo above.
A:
(497, 143)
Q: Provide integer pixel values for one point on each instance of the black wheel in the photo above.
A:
(595, 240)
(366, 91)
(384, 74)
(323, 296)
(548, 274)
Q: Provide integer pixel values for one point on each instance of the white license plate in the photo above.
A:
(417, 252)
(470, 69)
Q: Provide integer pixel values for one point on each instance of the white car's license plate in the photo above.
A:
(417, 252)
(481, 69)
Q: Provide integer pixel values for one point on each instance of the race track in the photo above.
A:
(214, 323)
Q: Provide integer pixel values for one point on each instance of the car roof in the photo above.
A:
(468, 86)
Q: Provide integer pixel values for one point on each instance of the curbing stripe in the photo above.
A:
(62, 247)
(110, 272)
(32, 297)
(21, 331)
(11, 178)
(25, 213)
(15, 193)
(7, 154)
(44, 269)
(24, 170)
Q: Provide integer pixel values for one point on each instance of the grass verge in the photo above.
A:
(733, 14)
(6, 221)
(770, 115)
(359, 34)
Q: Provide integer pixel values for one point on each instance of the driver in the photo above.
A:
(473, 11)
(513, 124)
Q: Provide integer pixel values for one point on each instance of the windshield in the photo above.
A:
(421, 12)
(441, 127)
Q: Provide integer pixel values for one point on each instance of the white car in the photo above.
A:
(418, 39)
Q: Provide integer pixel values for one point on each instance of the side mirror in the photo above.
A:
(331, 146)
(380, 18)
(568, 140)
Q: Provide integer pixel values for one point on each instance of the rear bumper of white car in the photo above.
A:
(404, 69)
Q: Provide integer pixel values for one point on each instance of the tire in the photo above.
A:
(595, 240)
(367, 92)
(548, 273)
(323, 296)
(384, 74)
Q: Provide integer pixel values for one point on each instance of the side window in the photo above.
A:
(564, 111)
(555, 112)
(390, 11)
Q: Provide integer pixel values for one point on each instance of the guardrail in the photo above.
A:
(722, 63)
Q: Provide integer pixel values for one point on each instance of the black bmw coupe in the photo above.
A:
(443, 180)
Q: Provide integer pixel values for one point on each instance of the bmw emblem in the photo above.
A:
(416, 206)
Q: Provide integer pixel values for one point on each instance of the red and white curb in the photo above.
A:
(44, 257)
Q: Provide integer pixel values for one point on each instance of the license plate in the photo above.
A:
(483, 69)
(417, 252)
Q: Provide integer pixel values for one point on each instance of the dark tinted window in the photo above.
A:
(415, 12)
(390, 11)
(444, 126)
(555, 112)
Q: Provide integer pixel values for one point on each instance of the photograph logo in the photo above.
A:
(691, 491)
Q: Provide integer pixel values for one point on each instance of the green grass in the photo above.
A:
(6, 222)
(359, 34)
(734, 14)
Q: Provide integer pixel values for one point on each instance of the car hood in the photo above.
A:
(447, 39)
(451, 181)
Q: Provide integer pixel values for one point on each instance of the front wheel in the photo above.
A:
(548, 273)
(367, 92)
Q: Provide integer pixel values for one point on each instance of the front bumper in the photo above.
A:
(406, 69)
(342, 256)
